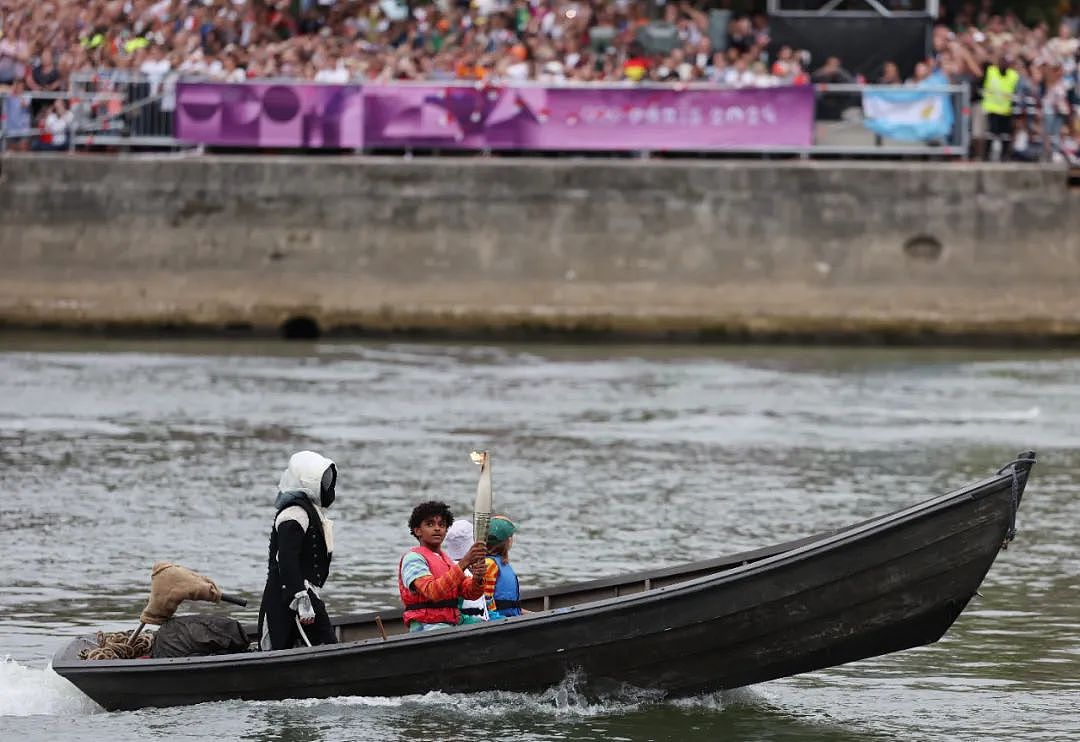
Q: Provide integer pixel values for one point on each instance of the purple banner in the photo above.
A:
(270, 115)
(537, 118)
(457, 117)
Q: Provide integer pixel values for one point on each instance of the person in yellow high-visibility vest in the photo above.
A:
(999, 87)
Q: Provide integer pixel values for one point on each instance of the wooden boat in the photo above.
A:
(886, 584)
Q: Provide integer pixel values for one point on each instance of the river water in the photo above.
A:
(115, 454)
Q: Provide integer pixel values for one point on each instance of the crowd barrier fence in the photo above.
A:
(84, 116)
(844, 126)
(118, 108)
(641, 119)
(144, 117)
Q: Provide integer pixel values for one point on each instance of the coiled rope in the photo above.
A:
(1015, 464)
(115, 645)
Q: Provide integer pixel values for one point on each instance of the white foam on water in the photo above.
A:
(723, 700)
(567, 699)
(26, 691)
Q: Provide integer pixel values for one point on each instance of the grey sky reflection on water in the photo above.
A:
(288, 723)
(483, 717)
(116, 453)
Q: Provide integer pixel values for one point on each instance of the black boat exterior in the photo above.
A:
(890, 583)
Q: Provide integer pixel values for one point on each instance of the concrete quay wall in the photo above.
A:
(707, 249)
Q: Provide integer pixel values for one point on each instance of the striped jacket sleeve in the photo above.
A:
(451, 586)
(491, 575)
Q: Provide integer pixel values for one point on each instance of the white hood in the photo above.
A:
(304, 474)
(458, 539)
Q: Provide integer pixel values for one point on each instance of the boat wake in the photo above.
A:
(568, 699)
(26, 691)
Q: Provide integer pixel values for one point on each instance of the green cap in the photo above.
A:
(501, 528)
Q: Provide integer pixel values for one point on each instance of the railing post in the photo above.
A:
(965, 119)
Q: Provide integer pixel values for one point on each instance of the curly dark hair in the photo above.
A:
(430, 509)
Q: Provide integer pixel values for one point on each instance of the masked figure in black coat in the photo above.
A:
(301, 545)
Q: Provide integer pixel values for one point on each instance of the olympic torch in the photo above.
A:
(482, 506)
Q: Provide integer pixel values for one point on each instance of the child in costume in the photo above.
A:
(429, 582)
(501, 589)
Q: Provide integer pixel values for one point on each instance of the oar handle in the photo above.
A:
(234, 600)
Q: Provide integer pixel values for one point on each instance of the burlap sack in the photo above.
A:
(171, 585)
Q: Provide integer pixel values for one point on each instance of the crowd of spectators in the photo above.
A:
(1043, 121)
(342, 40)
(43, 43)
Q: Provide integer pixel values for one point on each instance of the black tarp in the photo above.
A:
(863, 44)
(196, 636)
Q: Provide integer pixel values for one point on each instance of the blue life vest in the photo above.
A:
(507, 591)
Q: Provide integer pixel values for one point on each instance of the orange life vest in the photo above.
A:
(417, 608)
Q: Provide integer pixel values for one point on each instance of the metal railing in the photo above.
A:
(23, 119)
(144, 117)
(840, 123)
(864, 8)
(118, 108)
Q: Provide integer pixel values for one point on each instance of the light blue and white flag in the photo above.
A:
(910, 115)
